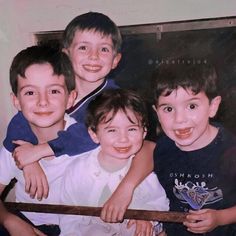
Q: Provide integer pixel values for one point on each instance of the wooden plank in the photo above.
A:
(164, 216)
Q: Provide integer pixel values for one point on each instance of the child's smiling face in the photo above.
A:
(119, 137)
(93, 55)
(43, 96)
(184, 117)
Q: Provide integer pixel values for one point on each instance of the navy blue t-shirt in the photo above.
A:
(203, 178)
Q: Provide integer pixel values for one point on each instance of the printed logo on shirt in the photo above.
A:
(196, 195)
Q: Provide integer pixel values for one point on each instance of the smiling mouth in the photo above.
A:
(92, 68)
(122, 149)
(43, 113)
(183, 133)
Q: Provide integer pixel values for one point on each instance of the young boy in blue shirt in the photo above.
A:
(195, 158)
(93, 43)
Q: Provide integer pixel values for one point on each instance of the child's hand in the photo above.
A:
(36, 183)
(114, 209)
(24, 154)
(202, 221)
(143, 228)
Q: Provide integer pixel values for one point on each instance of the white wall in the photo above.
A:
(19, 19)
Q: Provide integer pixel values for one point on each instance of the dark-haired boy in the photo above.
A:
(43, 84)
(195, 159)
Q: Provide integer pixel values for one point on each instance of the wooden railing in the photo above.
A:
(163, 216)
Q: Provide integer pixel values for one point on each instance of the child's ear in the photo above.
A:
(145, 132)
(65, 51)
(93, 135)
(116, 60)
(214, 106)
(154, 108)
(71, 99)
(15, 102)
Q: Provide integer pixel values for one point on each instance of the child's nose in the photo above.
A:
(43, 99)
(180, 116)
(123, 137)
(94, 54)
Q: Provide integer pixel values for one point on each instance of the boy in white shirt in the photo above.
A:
(43, 84)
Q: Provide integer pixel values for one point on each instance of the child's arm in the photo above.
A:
(14, 225)
(26, 153)
(18, 129)
(142, 165)
(36, 183)
(206, 220)
(75, 140)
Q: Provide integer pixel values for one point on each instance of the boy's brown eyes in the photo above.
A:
(29, 93)
(168, 109)
(82, 48)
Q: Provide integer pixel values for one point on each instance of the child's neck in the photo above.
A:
(49, 133)
(84, 87)
(111, 164)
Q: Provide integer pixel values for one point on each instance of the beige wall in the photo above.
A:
(19, 19)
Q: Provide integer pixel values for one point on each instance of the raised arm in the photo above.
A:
(75, 140)
(142, 165)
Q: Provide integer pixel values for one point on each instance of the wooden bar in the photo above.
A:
(164, 216)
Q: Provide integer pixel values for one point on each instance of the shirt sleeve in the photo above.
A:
(18, 129)
(75, 140)
(7, 167)
(150, 195)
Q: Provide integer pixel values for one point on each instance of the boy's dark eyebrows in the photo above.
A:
(26, 86)
(57, 85)
(194, 98)
(34, 86)
(162, 105)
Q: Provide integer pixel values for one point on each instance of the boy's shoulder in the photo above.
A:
(69, 121)
(164, 143)
(18, 129)
(225, 136)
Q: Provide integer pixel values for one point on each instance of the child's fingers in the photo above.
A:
(42, 188)
(106, 213)
(27, 185)
(143, 228)
(197, 227)
(196, 216)
(30, 185)
(39, 189)
(33, 188)
(200, 230)
(112, 214)
(45, 188)
(130, 223)
(19, 142)
(120, 215)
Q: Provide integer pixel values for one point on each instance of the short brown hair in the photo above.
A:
(114, 100)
